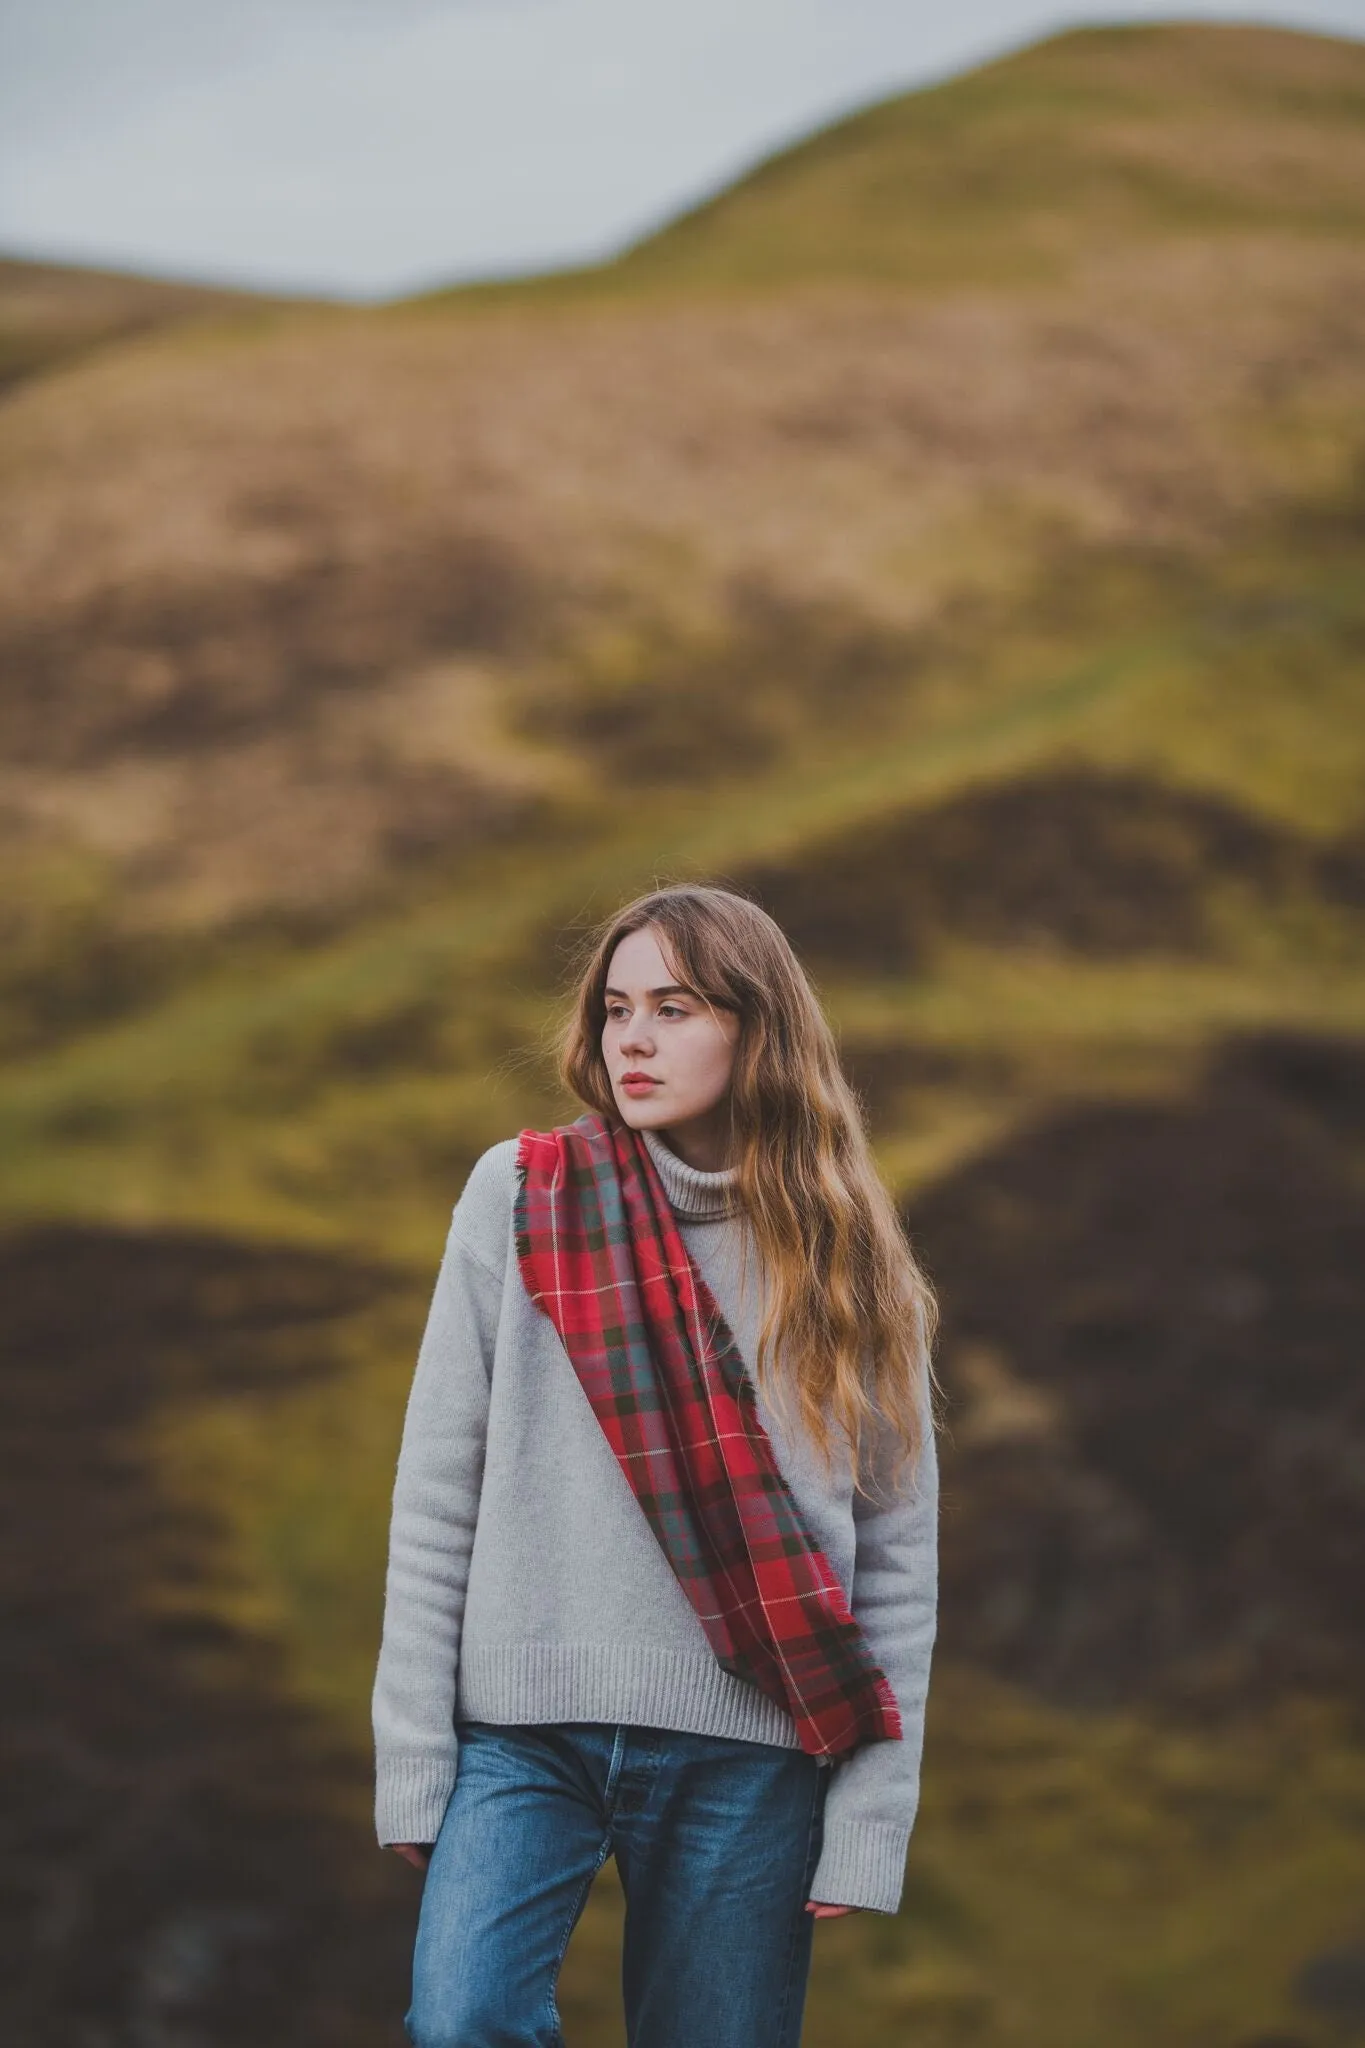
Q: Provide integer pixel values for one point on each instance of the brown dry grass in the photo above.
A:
(236, 578)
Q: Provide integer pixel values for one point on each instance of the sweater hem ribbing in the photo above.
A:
(636, 1684)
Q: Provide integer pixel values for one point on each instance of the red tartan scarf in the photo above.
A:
(601, 1254)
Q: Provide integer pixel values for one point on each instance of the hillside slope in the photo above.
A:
(53, 314)
(1022, 170)
(318, 644)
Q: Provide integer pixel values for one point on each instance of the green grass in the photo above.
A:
(259, 1095)
(1010, 175)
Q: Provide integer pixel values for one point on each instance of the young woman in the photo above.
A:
(641, 1599)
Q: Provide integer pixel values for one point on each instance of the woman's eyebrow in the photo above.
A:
(674, 988)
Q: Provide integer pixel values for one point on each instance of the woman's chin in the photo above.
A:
(641, 1113)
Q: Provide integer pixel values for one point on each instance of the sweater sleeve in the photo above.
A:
(431, 1536)
(874, 1793)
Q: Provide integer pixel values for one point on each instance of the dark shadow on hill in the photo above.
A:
(159, 670)
(1153, 1325)
(172, 1870)
(1105, 864)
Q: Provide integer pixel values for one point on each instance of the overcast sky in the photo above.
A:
(370, 147)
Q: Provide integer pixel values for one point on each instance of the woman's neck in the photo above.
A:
(699, 1195)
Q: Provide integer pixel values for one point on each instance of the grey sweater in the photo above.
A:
(525, 1585)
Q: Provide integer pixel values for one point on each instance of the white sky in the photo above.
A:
(371, 147)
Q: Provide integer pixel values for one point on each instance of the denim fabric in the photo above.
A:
(716, 1841)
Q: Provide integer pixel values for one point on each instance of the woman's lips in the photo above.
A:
(634, 1086)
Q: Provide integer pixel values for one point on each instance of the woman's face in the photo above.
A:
(663, 1030)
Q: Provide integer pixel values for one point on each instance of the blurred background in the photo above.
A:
(461, 467)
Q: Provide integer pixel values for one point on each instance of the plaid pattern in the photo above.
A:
(601, 1254)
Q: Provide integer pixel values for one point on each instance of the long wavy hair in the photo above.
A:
(847, 1306)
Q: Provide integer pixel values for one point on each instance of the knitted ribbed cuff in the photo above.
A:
(411, 1796)
(862, 1863)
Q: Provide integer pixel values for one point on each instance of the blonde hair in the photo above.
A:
(847, 1301)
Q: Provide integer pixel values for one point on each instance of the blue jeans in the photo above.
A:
(716, 1842)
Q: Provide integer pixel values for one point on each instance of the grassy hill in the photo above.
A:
(955, 534)
(54, 314)
(1024, 169)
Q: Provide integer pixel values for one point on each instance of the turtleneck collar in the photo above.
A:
(697, 1196)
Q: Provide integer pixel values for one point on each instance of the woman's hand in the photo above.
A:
(824, 1912)
(418, 1854)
